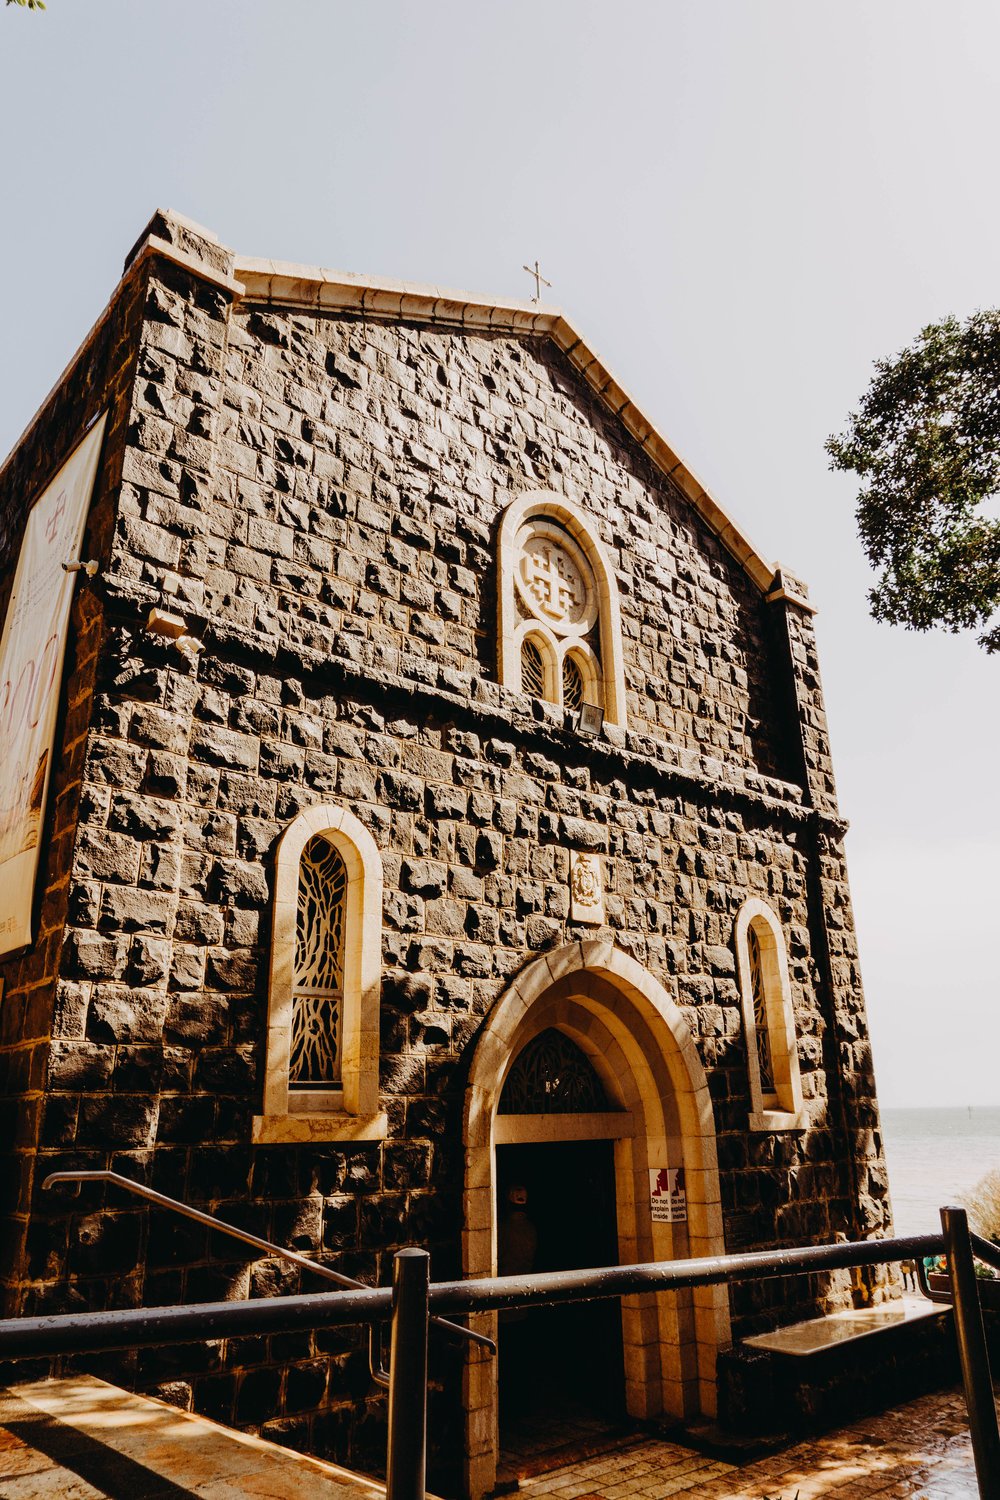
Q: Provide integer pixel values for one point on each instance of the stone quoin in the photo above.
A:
(424, 708)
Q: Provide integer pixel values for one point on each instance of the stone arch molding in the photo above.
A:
(349, 1112)
(560, 518)
(641, 1047)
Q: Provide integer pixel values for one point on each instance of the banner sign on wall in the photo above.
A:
(32, 650)
(667, 1195)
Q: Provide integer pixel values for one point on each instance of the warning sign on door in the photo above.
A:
(667, 1198)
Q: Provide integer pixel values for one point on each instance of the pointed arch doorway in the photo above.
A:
(654, 1113)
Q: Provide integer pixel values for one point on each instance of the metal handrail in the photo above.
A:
(411, 1299)
(545, 1288)
(78, 1333)
(160, 1200)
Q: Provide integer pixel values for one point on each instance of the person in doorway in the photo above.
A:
(517, 1241)
(517, 1248)
(909, 1270)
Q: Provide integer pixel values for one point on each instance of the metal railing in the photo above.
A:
(160, 1200)
(412, 1302)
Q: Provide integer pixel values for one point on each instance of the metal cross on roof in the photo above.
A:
(539, 280)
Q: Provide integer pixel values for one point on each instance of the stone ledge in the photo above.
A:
(779, 1119)
(287, 1129)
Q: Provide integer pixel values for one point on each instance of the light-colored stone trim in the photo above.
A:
(772, 1120)
(154, 245)
(317, 289)
(353, 1113)
(510, 1130)
(789, 596)
(544, 504)
(639, 1044)
(786, 1110)
(289, 1129)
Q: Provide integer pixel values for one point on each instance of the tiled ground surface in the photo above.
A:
(918, 1452)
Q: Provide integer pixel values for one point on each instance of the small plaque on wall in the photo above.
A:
(667, 1195)
(586, 888)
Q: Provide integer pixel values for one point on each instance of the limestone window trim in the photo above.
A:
(640, 1045)
(776, 1101)
(350, 1110)
(541, 515)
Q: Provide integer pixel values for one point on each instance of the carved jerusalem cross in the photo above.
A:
(554, 584)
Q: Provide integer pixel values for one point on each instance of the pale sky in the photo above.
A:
(741, 203)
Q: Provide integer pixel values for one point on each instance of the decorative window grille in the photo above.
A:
(572, 684)
(550, 1076)
(765, 1062)
(532, 670)
(318, 986)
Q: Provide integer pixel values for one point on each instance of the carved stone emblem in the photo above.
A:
(553, 580)
(586, 888)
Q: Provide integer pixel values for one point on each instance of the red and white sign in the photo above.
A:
(32, 650)
(667, 1196)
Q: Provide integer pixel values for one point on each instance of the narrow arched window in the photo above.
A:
(532, 670)
(768, 1020)
(761, 1020)
(321, 1050)
(318, 989)
(560, 621)
(573, 695)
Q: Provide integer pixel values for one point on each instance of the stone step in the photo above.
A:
(79, 1438)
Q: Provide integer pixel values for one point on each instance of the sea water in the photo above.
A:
(934, 1156)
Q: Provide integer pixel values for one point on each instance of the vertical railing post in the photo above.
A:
(407, 1461)
(972, 1351)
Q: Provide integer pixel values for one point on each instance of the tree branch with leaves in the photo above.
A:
(925, 443)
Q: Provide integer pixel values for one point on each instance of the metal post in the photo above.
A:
(407, 1462)
(972, 1352)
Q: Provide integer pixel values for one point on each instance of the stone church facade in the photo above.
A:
(440, 775)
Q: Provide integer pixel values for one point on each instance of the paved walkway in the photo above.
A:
(81, 1439)
(920, 1451)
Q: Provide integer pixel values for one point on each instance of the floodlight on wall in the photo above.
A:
(590, 720)
(90, 567)
(190, 647)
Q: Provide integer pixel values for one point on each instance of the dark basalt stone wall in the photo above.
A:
(319, 497)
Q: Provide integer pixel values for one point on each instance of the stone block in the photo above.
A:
(121, 1014)
(127, 910)
(424, 877)
(224, 747)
